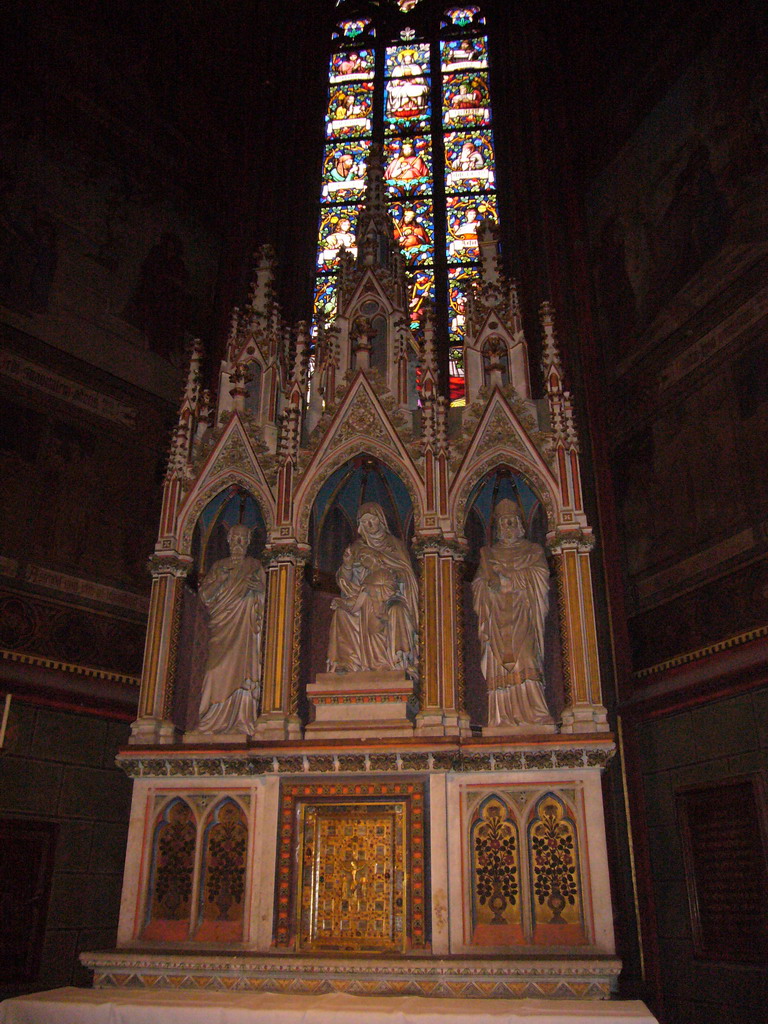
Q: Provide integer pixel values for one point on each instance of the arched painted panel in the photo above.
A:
(169, 892)
(555, 873)
(221, 902)
(495, 859)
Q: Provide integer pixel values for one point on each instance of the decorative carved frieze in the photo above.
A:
(596, 755)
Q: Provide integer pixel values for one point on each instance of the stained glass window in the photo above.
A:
(418, 84)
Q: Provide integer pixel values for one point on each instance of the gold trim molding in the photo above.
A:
(63, 666)
(702, 652)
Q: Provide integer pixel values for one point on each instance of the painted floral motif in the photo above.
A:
(495, 850)
(175, 853)
(225, 862)
(555, 866)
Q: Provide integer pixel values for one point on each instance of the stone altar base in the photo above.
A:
(360, 705)
(554, 977)
(85, 1006)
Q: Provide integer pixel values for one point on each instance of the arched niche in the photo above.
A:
(253, 379)
(500, 483)
(495, 354)
(332, 528)
(234, 504)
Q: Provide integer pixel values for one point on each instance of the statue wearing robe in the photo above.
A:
(374, 621)
(511, 597)
(233, 592)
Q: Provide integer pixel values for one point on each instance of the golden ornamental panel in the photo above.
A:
(351, 866)
(353, 877)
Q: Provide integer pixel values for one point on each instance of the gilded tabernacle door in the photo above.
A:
(353, 878)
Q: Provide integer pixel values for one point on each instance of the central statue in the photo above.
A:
(375, 621)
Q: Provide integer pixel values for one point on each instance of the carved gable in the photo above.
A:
(233, 460)
(501, 435)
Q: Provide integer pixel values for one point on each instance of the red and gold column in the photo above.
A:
(282, 629)
(154, 722)
(441, 667)
(584, 710)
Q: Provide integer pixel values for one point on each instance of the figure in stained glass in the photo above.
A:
(464, 53)
(407, 88)
(349, 109)
(336, 233)
(469, 162)
(466, 99)
(407, 168)
(410, 232)
(413, 230)
(464, 230)
(421, 294)
(358, 64)
(344, 170)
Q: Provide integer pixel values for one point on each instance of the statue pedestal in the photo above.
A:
(198, 737)
(523, 729)
(368, 705)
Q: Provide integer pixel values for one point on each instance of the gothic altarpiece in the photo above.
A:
(370, 717)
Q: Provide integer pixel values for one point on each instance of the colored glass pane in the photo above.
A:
(354, 28)
(461, 54)
(421, 295)
(406, 101)
(460, 17)
(466, 100)
(325, 299)
(352, 65)
(464, 214)
(408, 166)
(456, 382)
(349, 109)
(469, 162)
(344, 169)
(337, 232)
(414, 231)
(459, 286)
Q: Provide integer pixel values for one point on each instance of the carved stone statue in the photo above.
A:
(511, 597)
(233, 592)
(375, 620)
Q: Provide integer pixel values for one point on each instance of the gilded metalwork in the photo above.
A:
(353, 877)
(362, 845)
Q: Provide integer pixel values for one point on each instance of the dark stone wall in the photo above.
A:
(717, 741)
(58, 766)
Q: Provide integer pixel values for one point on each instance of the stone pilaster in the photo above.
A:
(280, 675)
(154, 724)
(442, 672)
(584, 711)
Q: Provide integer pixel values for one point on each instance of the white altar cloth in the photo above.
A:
(100, 1006)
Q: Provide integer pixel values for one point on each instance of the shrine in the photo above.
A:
(375, 726)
